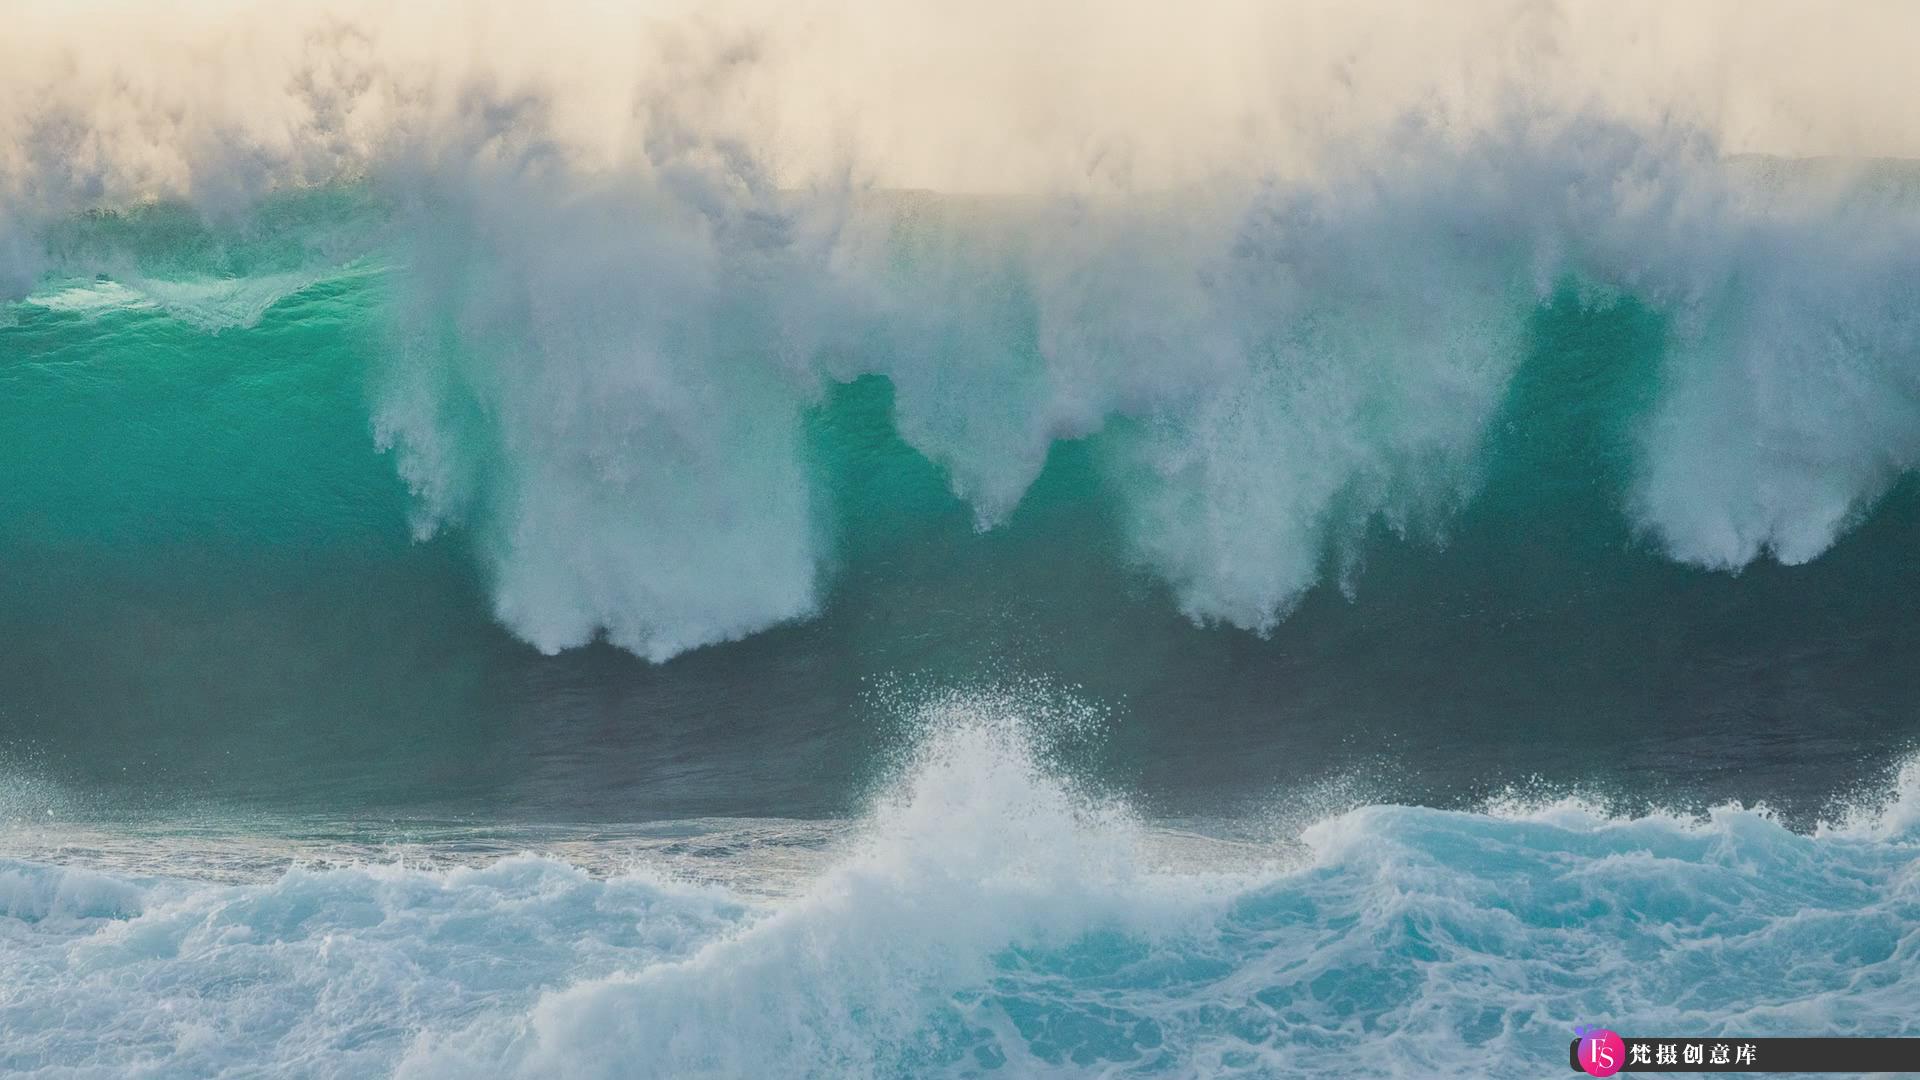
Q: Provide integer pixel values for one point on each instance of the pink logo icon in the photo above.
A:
(1601, 1051)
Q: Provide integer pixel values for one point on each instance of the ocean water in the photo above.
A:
(472, 607)
(985, 917)
(600, 537)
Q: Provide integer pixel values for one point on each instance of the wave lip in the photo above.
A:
(1283, 266)
(606, 375)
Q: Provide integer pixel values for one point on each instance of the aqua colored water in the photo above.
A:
(1336, 630)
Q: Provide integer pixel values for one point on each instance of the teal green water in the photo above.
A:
(957, 639)
(210, 579)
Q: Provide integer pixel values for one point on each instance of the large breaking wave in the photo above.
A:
(613, 289)
(608, 380)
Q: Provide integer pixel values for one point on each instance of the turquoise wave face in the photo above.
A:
(644, 407)
(304, 484)
(985, 918)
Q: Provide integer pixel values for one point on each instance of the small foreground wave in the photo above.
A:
(991, 917)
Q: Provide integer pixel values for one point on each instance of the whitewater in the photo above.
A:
(612, 393)
(845, 539)
(987, 915)
(614, 294)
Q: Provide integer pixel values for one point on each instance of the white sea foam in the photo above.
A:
(619, 282)
(989, 917)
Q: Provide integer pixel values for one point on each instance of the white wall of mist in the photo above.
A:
(1294, 246)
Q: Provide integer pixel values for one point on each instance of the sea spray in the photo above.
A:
(605, 381)
(988, 917)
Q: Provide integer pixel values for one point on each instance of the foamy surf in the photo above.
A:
(989, 915)
(479, 493)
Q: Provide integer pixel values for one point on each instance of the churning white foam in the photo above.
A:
(615, 387)
(991, 917)
(620, 282)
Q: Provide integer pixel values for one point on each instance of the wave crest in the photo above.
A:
(601, 359)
